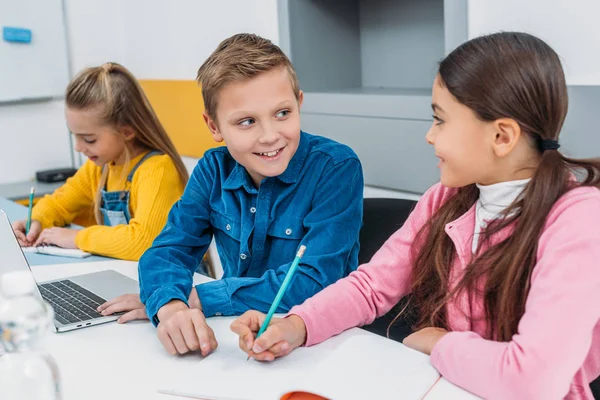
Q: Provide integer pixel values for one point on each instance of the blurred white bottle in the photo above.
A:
(26, 371)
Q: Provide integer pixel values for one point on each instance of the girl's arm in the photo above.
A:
(375, 287)
(62, 206)
(555, 333)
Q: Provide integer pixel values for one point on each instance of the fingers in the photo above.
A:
(165, 339)
(42, 238)
(187, 331)
(126, 298)
(34, 231)
(274, 334)
(203, 333)
(249, 321)
(19, 230)
(21, 238)
(139, 313)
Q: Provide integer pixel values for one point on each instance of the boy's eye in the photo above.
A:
(282, 113)
(89, 141)
(437, 119)
(246, 122)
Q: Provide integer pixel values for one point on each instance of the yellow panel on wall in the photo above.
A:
(179, 107)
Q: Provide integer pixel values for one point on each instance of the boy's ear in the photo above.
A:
(300, 99)
(507, 134)
(212, 126)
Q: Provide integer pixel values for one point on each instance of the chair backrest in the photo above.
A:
(381, 218)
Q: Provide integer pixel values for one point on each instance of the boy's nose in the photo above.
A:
(269, 135)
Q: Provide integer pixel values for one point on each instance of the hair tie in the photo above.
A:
(549, 144)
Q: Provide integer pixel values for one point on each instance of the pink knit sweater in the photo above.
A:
(556, 352)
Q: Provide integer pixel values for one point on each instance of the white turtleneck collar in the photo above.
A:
(493, 199)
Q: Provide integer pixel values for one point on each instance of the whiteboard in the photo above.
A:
(39, 69)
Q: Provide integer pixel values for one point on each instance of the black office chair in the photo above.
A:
(381, 218)
(595, 386)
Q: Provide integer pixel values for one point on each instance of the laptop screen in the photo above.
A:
(11, 255)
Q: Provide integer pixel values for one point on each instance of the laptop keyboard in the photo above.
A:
(71, 302)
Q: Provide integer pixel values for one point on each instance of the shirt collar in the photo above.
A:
(292, 172)
(238, 178)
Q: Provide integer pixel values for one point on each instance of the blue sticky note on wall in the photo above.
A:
(18, 35)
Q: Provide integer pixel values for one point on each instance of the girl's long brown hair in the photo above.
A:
(114, 91)
(504, 75)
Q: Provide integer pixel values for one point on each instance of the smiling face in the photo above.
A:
(259, 120)
(463, 143)
(99, 142)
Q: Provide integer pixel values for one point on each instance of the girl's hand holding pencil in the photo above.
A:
(281, 337)
(27, 239)
(264, 338)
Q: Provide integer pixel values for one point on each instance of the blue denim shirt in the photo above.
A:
(317, 202)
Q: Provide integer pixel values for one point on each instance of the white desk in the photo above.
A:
(444, 390)
(113, 361)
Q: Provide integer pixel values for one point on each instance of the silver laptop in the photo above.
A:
(74, 299)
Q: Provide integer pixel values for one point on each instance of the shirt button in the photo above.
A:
(288, 231)
(252, 210)
(218, 314)
(228, 227)
(243, 256)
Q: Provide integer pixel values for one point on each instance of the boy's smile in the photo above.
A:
(259, 120)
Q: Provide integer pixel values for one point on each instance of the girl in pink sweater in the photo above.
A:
(501, 259)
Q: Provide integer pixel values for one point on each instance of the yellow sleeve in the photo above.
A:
(62, 206)
(155, 188)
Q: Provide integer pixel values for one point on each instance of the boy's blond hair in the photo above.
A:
(238, 58)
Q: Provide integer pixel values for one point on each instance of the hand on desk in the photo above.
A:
(281, 337)
(28, 240)
(134, 309)
(130, 304)
(61, 237)
(425, 339)
(182, 329)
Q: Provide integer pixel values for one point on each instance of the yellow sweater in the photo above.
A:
(155, 187)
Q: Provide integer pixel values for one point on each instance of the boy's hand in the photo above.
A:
(61, 237)
(19, 228)
(182, 329)
(425, 339)
(281, 337)
(128, 303)
(134, 309)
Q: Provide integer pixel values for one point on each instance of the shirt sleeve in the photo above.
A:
(374, 288)
(555, 333)
(166, 269)
(333, 226)
(157, 186)
(61, 207)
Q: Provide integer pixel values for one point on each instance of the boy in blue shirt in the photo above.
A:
(271, 189)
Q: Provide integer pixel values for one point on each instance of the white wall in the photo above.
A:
(155, 39)
(570, 27)
(33, 136)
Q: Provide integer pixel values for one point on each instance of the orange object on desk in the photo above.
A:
(302, 396)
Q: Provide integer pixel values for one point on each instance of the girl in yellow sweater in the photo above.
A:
(132, 177)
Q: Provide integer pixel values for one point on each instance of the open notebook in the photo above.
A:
(353, 365)
(56, 251)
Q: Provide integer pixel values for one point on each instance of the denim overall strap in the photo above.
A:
(115, 204)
